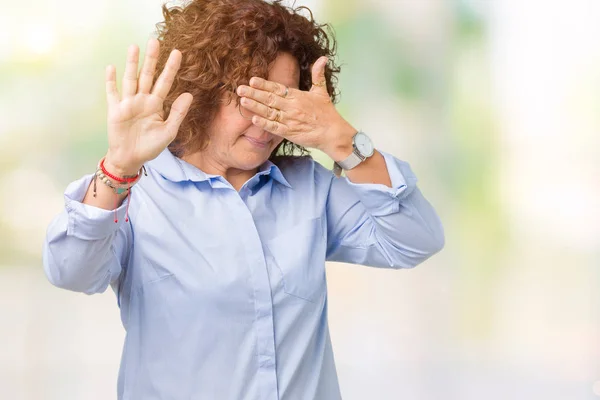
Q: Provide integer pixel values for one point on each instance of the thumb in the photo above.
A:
(179, 110)
(318, 75)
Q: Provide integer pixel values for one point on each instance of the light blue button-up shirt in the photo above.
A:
(223, 293)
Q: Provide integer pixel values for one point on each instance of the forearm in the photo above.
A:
(398, 226)
(76, 264)
(372, 170)
(84, 247)
(106, 198)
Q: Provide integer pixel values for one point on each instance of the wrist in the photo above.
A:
(340, 144)
(118, 169)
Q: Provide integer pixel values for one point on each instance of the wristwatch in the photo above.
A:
(362, 149)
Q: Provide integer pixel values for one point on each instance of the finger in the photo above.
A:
(267, 98)
(112, 94)
(179, 110)
(276, 128)
(269, 86)
(318, 75)
(167, 76)
(131, 67)
(260, 109)
(149, 67)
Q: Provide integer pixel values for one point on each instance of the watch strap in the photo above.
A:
(354, 159)
(348, 163)
(351, 161)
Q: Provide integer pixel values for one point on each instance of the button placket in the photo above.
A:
(262, 298)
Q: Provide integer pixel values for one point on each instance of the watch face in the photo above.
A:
(364, 144)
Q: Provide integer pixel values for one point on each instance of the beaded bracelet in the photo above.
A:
(118, 188)
(124, 179)
(118, 185)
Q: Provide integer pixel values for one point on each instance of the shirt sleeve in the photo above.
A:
(381, 226)
(84, 249)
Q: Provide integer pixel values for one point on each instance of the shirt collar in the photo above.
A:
(178, 170)
(269, 168)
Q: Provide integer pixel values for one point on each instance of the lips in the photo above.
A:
(258, 142)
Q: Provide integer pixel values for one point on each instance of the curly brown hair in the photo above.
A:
(226, 42)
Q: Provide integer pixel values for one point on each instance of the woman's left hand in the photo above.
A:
(307, 118)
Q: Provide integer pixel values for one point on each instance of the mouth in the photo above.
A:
(258, 143)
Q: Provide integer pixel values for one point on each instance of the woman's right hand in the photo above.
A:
(137, 130)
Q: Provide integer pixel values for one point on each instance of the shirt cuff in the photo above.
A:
(380, 199)
(89, 222)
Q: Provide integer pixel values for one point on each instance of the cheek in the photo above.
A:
(240, 118)
(232, 130)
(230, 124)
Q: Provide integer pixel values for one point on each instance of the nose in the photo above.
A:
(258, 132)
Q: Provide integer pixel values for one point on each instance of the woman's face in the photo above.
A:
(237, 143)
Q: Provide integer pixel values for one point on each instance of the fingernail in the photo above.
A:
(241, 91)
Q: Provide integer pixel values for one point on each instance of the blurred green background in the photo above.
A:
(493, 103)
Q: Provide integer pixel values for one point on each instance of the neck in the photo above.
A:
(203, 161)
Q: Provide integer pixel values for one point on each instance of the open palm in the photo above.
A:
(137, 129)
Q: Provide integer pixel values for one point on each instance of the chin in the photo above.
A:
(253, 157)
(250, 162)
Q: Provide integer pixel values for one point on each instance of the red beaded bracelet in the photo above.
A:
(125, 179)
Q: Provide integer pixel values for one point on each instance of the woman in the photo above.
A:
(211, 232)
